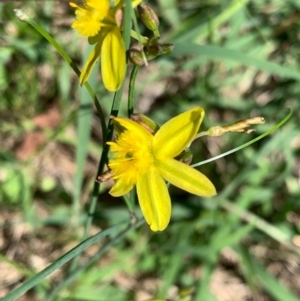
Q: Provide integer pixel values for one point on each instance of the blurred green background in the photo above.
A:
(236, 59)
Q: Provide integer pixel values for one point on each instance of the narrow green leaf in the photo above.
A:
(84, 122)
(220, 53)
(276, 289)
(92, 260)
(58, 263)
(203, 30)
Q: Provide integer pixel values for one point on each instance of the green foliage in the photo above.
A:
(236, 59)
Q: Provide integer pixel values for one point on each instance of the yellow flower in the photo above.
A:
(146, 160)
(100, 23)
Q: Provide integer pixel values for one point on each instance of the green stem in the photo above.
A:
(134, 73)
(109, 133)
(201, 134)
(141, 39)
(102, 163)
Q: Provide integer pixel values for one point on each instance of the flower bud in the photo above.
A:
(159, 49)
(148, 16)
(153, 50)
(237, 127)
(136, 57)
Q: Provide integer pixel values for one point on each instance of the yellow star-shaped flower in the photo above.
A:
(101, 23)
(147, 161)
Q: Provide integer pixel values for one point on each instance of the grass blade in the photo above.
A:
(220, 53)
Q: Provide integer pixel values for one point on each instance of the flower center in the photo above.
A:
(90, 16)
(132, 156)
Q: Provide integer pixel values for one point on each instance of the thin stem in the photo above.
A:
(104, 156)
(102, 163)
(133, 76)
(141, 39)
(109, 133)
(201, 134)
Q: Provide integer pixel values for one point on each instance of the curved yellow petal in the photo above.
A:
(90, 63)
(125, 123)
(154, 200)
(113, 60)
(185, 177)
(121, 187)
(176, 134)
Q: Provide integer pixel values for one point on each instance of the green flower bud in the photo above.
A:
(148, 16)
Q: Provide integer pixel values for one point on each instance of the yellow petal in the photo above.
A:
(176, 134)
(90, 63)
(185, 177)
(154, 200)
(113, 60)
(121, 187)
(136, 3)
(101, 6)
(125, 123)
